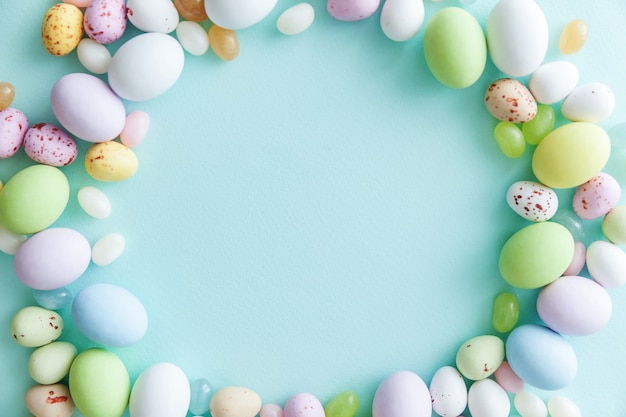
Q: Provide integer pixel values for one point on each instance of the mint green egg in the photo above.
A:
(345, 404)
(510, 139)
(51, 363)
(33, 199)
(539, 126)
(99, 383)
(505, 312)
(480, 356)
(455, 47)
(536, 255)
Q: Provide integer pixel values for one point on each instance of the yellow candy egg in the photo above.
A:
(62, 28)
(110, 161)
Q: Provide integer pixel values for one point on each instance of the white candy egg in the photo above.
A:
(9, 241)
(152, 15)
(448, 392)
(532, 200)
(94, 202)
(402, 394)
(107, 249)
(559, 406)
(488, 399)
(296, 19)
(162, 390)
(530, 405)
(606, 263)
(238, 14)
(592, 102)
(400, 20)
(514, 48)
(94, 56)
(133, 73)
(552, 82)
(192, 37)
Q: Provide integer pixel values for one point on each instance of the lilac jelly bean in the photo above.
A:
(53, 299)
(201, 391)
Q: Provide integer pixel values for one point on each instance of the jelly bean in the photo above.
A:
(53, 299)
(94, 202)
(573, 36)
(530, 405)
(35, 326)
(136, 127)
(505, 312)
(617, 134)
(192, 10)
(614, 225)
(345, 404)
(51, 363)
(192, 37)
(107, 249)
(62, 28)
(571, 222)
(110, 161)
(510, 139)
(94, 56)
(7, 94)
(539, 126)
(480, 356)
(9, 241)
(49, 401)
(559, 406)
(224, 43)
(271, 410)
(295, 19)
(201, 391)
(508, 379)
(235, 402)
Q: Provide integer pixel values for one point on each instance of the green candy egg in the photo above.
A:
(455, 47)
(505, 312)
(571, 155)
(614, 225)
(34, 326)
(510, 139)
(51, 363)
(344, 404)
(99, 383)
(480, 356)
(536, 255)
(33, 199)
(539, 126)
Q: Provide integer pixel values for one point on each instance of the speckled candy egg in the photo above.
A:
(13, 127)
(49, 401)
(532, 200)
(448, 392)
(50, 145)
(105, 20)
(480, 356)
(510, 101)
(35, 326)
(110, 161)
(62, 28)
(162, 390)
(402, 394)
(235, 402)
(303, 405)
(596, 197)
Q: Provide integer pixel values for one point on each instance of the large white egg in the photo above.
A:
(517, 36)
(146, 66)
(592, 102)
(488, 399)
(152, 15)
(162, 390)
(552, 82)
(238, 14)
(400, 20)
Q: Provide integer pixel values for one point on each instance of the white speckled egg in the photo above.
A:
(162, 390)
(552, 82)
(400, 20)
(402, 394)
(13, 127)
(132, 72)
(448, 392)
(592, 102)
(50, 145)
(510, 101)
(235, 402)
(303, 404)
(152, 15)
(238, 14)
(105, 20)
(35, 326)
(532, 200)
(488, 399)
(596, 197)
(530, 405)
(606, 263)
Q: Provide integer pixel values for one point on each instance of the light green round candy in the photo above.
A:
(345, 404)
(99, 383)
(455, 48)
(536, 255)
(480, 356)
(614, 225)
(51, 363)
(33, 199)
(35, 326)
(505, 312)
(510, 139)
(571, 155)
(539, 126)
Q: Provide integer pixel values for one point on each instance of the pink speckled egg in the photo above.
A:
(303, 405)
(510, 101)
(596, 197)
(351, 10)
(532, 200)
(13, 127)
(105, 20)
(50, 145)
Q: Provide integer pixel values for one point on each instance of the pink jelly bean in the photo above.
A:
(578, 262)
(351, 9)
(508, 379)
(135, 128)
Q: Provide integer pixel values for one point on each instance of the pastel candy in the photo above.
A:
(105, 20)
(596, 197)
(448, 392)
(351, 10)
(49, 401)
(486, 398)
(480, 356)
(614, 225)
(402, 394)
(35, 326)
(303, 405)
(344, 404)
(606, 263)
(51, 363)
(161, 390)
(235, 402)
(13, 127)
(238, 14)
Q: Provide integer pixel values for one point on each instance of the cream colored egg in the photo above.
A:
(238, 14)
(486, 398)
(295, 19)
(606, 263)
(107, 249)
(162, 390)
(592, 102)
(152, 15)
(49, 401)
(510, 101)
(110, 161)
(94, 56)
(51, 363)
(552, 82)
(35, 326)
(192, 37)
(235, 402)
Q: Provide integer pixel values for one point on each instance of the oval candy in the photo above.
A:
(49, 401)
(509, 100)
(158, 16)
(238, 14)
(35, 326)
(614, 225)
(94, 202)
(344, 404)
(192, 37)
(592, 102)
(606, 263)
(553, 81)
(532, 200)
(105, 20)
(448, 392)
(235, 402)
(296, 19)
(93, 56)
(107, 249)
(110, 161)
(480, 356)
(303, 405)
(530, 405)
(508, 379)
(50, 145)
(161, 390)
(596, 197)
(62, 29)
(51, 363)
(486, 398)
(13, 127)
(400, 20)
(402, 394)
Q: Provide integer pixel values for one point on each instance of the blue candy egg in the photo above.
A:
(109, 315)
(541, 357)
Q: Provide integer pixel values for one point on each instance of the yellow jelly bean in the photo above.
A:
(573, 36)
(62, 29)
(510, 139)
(7, 94)
(224, 43)
(110, 161)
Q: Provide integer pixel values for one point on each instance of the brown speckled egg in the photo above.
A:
(510, 101)
(532, 200)
(50, 145)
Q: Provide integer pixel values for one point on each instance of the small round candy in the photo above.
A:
(94, 56)
(94, 202)
(573, 36)
(224, 43)
(107, 249)
(7, 94)
(136, 127)
(296, 19)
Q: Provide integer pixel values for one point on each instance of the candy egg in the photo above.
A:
(94, 202)
(592, 102)
(49, 401)
(238, 14)
(509, 100)
(63, 254)
(93, 56)
(109, 315)
(162, 390)
(235, 402)
(606, 263)
(351, 10)
(192, 37)
(107, 249)
(486, 398)
(35, 326)
(303, 405)
(131, 71)
(596, 197)
(517, 52)
(295, 19)
(448, 392)
(51, 363)
(152, 15)
(400, 20)
(402, 394)
(344, 404)
(53, 299)
(95, 117)
(200, 397)
(530, 405)
(573, 36)
(110, 161)
(9, 241)
(559, 406)
(510, 139)
(62, 28)
(552, 82)
(13, 127)
(613, 225)
(480, 356)
(50, 145)
(532, 201)
(574, 306)
(508, 379)
(454, 47)
(539, 126)
(105, 20)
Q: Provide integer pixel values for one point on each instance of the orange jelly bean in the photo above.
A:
(192, 10)
(7, 94)
(224, 42)
(573, 36)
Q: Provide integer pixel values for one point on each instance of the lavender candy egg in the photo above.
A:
(87, 108)
(303, 405)
(105, 20)
(52, 258)
(13, 127)
(402, 394)
(109, 315)
(50, 145)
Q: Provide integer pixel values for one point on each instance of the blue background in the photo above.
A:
(314, 215)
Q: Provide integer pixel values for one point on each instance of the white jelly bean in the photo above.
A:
(563, 407)
(296, 19)
(93, 56)
(9, 241)
(107, 249)
(192, 37)
(94, 202)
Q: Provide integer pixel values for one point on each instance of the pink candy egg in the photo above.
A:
(578, 262)
(351, 10)
(508, 379)
(596, 197)
(50, 145)
(13, 127)
(135, 128)
(105, 20)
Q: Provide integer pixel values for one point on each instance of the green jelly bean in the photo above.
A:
(33, 199)
(539, 126)
(510, 139)
(505, 312)
(344, 404)
(480, 356)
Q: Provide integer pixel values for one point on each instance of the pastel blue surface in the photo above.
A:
(314, 215)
